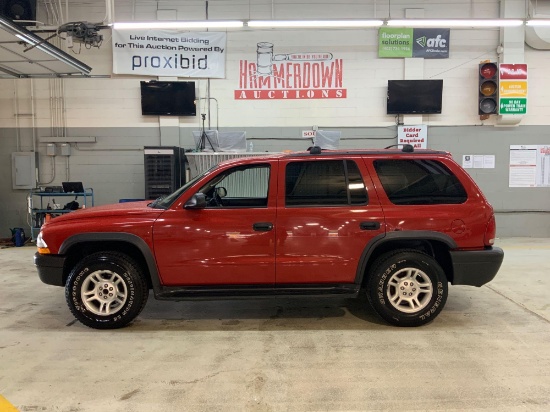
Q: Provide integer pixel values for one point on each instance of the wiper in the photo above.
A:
(155, 203)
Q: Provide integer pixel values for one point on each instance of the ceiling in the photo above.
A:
(23, 54)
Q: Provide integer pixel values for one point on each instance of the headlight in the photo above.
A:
(41, 245)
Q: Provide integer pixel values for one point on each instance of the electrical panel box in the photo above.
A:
(24, 169)
(65, 149)
(50, 149)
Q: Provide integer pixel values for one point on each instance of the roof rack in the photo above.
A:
(315, 150)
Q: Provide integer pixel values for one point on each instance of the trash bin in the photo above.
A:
(18, 236)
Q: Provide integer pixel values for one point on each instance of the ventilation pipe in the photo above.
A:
(109, 11)
(538, 37)
(511, 49)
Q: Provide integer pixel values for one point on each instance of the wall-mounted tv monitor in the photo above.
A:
(168, 98)
(414, 96)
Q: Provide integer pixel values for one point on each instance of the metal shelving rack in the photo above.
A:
(38, 213)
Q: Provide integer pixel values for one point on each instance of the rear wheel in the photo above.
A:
(106, 290)
(407, 288)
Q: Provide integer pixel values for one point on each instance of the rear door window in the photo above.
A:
(324, 183)
(419, 182)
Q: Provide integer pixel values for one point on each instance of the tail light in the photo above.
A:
(490, 232)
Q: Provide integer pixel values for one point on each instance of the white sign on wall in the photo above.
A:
(417, 136)
(478, 161)
(529, 166)
(169, 53)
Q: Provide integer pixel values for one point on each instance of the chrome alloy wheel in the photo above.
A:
(409, 290)
(104, 292)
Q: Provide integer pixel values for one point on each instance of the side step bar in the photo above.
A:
(256, 291)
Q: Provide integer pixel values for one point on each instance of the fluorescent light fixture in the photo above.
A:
(538, 22)
(314, 23)
(179, 24)
(41, 44)
(441, 23)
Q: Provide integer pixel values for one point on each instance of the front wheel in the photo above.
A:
(407, 288)
(106, 290)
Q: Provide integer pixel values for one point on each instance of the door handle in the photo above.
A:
(262, 226)
(369, 225)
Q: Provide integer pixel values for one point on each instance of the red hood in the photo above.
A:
(127, 209)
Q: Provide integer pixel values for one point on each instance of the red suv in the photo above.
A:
(397, 224)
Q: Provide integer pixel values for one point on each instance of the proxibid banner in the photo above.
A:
(169, 53)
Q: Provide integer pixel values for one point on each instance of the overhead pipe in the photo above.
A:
(110, 11)
(208, 80)
(16, 114)
(33, 120)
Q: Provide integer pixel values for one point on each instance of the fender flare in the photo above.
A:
(130, 238)
(379, 240)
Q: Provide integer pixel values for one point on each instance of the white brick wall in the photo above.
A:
(115, 102)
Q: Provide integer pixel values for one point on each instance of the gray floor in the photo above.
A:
(488, 350)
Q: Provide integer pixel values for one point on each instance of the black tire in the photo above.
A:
(106, 290)
(407, 288)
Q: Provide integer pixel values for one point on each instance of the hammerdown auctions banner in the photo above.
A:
(169, 53)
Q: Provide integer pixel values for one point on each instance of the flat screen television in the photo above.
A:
(168, 98)
(414, 96)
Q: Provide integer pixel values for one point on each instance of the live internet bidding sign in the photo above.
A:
(169, 53)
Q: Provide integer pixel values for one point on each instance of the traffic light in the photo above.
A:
(488, 88)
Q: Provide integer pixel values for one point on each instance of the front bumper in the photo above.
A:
(476, 267)
(50, 268)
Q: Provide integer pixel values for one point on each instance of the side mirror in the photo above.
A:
(197, 201)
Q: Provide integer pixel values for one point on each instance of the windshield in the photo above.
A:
(166, 202)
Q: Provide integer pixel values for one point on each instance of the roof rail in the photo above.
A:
(407, 148)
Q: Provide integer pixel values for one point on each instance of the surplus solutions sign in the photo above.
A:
(169, 53)
(402, 42)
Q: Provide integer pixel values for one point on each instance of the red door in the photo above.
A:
(327, 214)
(231, 241)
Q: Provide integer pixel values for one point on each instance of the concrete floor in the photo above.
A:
(488, 350)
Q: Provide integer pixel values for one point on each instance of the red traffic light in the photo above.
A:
(488, 70)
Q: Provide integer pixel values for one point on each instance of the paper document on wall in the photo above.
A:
(478, 161)
(543, 166)
(523, 165)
